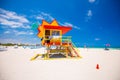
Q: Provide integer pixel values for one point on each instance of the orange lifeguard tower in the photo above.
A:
(57, 45)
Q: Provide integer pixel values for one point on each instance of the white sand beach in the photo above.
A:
(15, 64)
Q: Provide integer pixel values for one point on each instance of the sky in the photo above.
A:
(93, 22)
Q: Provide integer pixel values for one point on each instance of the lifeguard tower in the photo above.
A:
(57, 45)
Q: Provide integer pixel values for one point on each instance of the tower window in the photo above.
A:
(47, 32)
(55, 33)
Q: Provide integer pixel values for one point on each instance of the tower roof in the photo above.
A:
(53, 25)
(63, 28)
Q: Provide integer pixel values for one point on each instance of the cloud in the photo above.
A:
(91, 1)
(6, 32)
(71, 25)
(17, 33)
(31, 33)
(10, 40)
(88, 15)
(22, 32)
(44, 16)
(40, 17)
(48, 17)
(13, 20)
(97, 39)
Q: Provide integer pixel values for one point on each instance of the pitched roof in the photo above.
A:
(53, 25)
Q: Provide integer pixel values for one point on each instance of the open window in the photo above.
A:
(55, 33)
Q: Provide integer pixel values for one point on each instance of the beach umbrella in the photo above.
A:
(108, 45)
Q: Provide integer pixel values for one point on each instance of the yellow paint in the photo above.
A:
(53, 39)
(44, 23)
(35, 56)
(70, 58)
(54, 23)
(41, 27)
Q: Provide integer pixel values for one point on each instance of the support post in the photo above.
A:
(48, 52)
(66, 52)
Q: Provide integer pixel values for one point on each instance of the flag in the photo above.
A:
(35, 25)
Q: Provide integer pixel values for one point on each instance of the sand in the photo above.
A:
(15, 64)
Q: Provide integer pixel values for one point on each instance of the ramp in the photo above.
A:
(74, 51)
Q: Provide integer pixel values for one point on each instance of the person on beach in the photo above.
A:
(107, 46)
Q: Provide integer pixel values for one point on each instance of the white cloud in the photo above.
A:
(10, 40)
(40, 17)
(22, 32)
(35, 38)
(6, 32)
(44, 16)
(89, 13)
(11, 24)
(91, 1)
(17, 33)
(13, 20)
(48, 17)
(71, 25)
(97, 39)
(31, 33)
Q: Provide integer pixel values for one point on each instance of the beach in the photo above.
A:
(15, 64)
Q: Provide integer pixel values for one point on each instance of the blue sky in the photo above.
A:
(94, 22)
